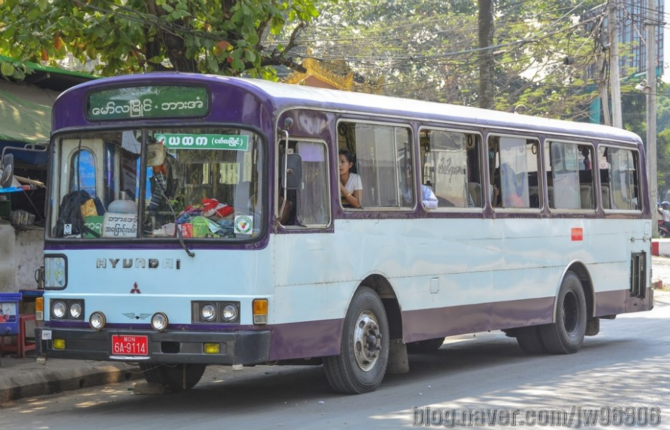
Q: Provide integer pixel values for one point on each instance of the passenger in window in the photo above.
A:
(351, 186)
(428, 197)
(587, 162)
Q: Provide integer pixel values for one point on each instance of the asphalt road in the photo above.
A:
(627, 365)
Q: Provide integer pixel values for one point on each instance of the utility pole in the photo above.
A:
(614, 64)
(652, 162)
(486, 63)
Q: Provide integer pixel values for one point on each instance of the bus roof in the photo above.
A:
(280, 97)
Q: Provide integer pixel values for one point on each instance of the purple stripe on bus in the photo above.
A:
(306, 339)
(620, 301)
(322, 338)
(450, 321)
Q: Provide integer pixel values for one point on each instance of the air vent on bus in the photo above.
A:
(638, 278)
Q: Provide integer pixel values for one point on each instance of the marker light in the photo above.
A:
(211, 348)
(159, 321)
(208, 312)
(39, 308)
(229, 313)
(75, 310)
(59, 344)
(97, 321)
(58, 309)
(260, 311)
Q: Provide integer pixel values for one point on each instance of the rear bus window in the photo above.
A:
(619, 169)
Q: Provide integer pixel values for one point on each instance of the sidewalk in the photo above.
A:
(24, 377)
(21, 378)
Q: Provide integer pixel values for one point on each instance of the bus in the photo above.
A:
(197, 220)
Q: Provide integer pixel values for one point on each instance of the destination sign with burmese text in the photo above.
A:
(231, 142)
(157, 101)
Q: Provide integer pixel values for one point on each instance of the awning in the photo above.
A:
(25, 113)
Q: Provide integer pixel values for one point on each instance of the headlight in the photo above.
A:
(55, 271)
(229, 313)
(208, 312)
(97, 321)
(75, 310)
(58, 309)
(159, 321)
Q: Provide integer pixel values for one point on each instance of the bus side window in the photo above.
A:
(451, 167)
(382, 154)
(565, 191)
(515, 165)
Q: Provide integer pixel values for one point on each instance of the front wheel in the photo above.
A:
(566, 335)
(364, 349)
(178, 377)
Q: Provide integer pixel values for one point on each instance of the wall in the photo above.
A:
(21, 253)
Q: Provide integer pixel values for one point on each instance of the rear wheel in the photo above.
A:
(364, 348)
(425, 346)
(566, 335)
(179, 377)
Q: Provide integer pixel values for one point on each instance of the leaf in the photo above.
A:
(238, 64)
(7, 69)
(212, 64)
(250, 55)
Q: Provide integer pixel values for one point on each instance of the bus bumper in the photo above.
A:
(236, 347)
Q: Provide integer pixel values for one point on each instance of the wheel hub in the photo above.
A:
(367, 340)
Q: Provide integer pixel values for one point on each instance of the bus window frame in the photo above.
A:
(277, 184)
(482, 167)
(638, 169)
(413, 143)
(144, 127)
(547, 160)
(541, 173)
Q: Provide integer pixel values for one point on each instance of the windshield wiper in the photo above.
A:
(160, 181)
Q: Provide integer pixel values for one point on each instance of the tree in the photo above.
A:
(129, 36)
(430, 50)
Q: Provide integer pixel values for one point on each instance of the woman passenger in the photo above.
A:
(351, 187)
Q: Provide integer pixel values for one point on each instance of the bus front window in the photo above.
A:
(202, 181)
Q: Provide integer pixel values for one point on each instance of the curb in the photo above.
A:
(660, 247)
(40, 383)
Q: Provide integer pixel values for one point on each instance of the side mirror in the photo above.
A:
(293, 173)
(7, 171)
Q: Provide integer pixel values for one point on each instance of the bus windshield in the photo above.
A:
(127, 184)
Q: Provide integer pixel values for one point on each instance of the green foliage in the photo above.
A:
(427, 49)
(128, 36)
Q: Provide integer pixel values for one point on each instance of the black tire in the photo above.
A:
(364, 348)
(529, 340)
(425, 346)
(173, 375)
(566, 335)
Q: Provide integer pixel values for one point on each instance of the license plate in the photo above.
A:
(130, 345)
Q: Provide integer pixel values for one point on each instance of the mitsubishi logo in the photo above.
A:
(135, 289)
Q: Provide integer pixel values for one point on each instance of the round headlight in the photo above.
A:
(59, 309)
(159, 321)
(97, 321)
(208, 312)
(229, 313)
(75, 310)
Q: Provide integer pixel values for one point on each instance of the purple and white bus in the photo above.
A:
(198, 220)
